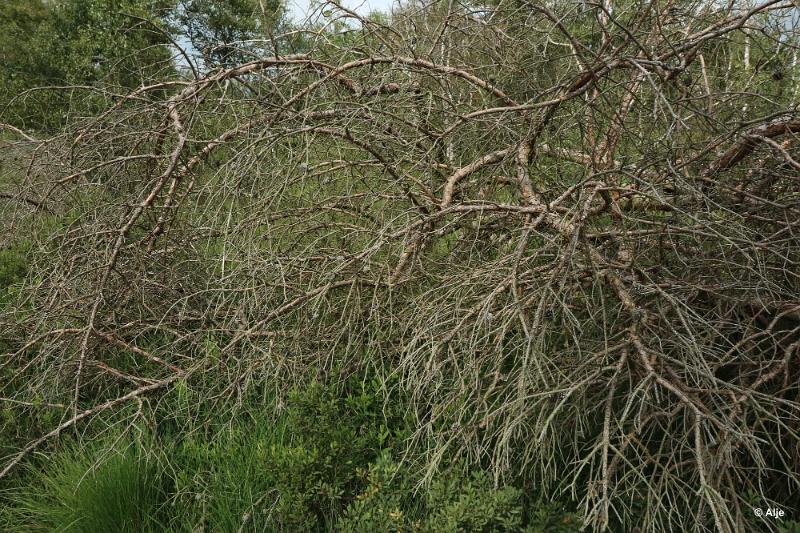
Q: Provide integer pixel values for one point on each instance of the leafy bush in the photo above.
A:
(470, 503)
(381, 506)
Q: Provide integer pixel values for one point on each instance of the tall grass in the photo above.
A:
(93, 489)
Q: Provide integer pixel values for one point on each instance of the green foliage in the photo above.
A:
(74, 42)
(106, 42)
(457, 501)
(383, 505)
(26, 61)
(224, 478)
(470, 503)
(89, 489)
(326, 461)
(331, 436)
(219, 30)
(294, 471)
(111, 45)
(13, 267)
(790, 526)
(552, 517)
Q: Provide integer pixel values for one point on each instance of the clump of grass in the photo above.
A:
(13, 267)
(94, 489)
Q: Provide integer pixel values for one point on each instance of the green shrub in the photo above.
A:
(551, 517)
(457, 501)
(469, 502)
(383, 505)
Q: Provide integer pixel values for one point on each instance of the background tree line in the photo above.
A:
(113, 45)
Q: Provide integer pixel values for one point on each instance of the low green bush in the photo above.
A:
(457, 501)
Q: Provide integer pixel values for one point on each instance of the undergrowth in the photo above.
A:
(325, 458)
